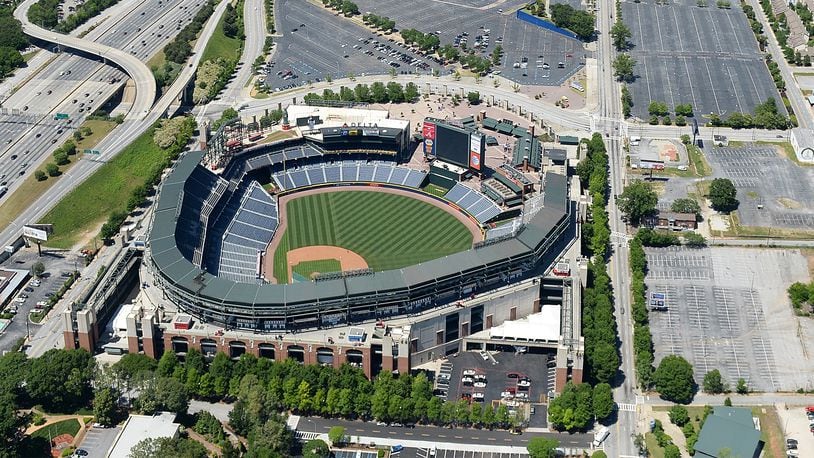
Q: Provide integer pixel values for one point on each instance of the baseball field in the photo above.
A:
(387, 230)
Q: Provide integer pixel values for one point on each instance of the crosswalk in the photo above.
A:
(626, 407)
(307, 435)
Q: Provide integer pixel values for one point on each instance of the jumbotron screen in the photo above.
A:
(452, 145)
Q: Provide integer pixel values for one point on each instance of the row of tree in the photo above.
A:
(380, 22)
(346, 7)
(84, 12)
(377, 92)
(598, 322)
(766, 116)
(426, 42)
(180, 48)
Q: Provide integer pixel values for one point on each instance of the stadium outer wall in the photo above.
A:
(348, 299)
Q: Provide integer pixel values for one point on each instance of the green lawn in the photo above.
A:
(222, 46)
(70, 426)
(81, 212)
(323, 266)
(389, 231)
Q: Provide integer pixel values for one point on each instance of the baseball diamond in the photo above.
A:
(388, 230)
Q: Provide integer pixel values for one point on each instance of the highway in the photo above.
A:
(77, 86)
(46, 337)
(138, 72)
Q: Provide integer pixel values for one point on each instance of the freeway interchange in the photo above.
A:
(83, 74)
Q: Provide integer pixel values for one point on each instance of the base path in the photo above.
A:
(348, 260)
(267, 262)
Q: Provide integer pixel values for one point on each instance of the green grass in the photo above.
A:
(389, 231)
(222, 46)
(701, 166)
(653, 446)
(435, 190)
(88, 205)
(70, 426)
(322, 266)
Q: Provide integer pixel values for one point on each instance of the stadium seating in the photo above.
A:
(473, 202)
(348, 172)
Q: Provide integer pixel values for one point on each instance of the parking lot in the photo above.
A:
(315, 43)
(727, 310)
(98, 441)
(499, 377)
(765, 179)
(56, 263)
(707, 57)
(517, 38)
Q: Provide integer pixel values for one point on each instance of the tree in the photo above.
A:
(674, 380)
(12, 426)
(167, 446)
(59, 380)
(410, 92)
(52, 169)
(336, 435)
(657, 108)
(722, 195)
(572, 409)
(542, 447)
(104, 406)
(167, 364)
(684, 109)
(40, 175)
(378, 92)
(685, 205)
(602, 401)
(678, 415)
(742, 387)
(38, 269)
(273, 438)
(672, 451)
(620, 35)
(623, 67)
(163, 393)
(599, 454)
(473, 97)
(61, 157)
(315, 448)
(637, 201)
(695, 240)
(713, 382)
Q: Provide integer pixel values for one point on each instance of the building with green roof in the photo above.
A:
(729, 431)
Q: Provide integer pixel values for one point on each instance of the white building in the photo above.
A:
(140, 427)
(802, 140)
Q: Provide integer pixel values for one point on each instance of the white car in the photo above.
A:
(480, 384)
(468, 372)
(19, 299)
(484, 355)
(467, 380)
(506, 395)
(477, 396)
(524, 382)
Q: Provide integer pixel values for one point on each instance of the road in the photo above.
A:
(801, 108)
(254, 25)
(619, 442)
(438, 434)
(135, 68)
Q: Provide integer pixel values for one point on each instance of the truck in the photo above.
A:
(601, 435)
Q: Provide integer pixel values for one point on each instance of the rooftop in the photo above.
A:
(729, 428)
(140, 427)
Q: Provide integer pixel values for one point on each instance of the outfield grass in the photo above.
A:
(70, 426)
(88, 205)
(389, 231)
(31, 189)
(322, 266)
(222, 46)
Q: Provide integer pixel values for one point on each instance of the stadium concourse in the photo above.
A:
(218, 210)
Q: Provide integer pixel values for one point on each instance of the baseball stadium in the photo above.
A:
(332, 228)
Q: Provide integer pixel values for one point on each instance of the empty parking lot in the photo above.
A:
(519, 39)
(705, 56)
(772, 190)
(727, 310)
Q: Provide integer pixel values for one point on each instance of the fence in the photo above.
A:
(524, 16)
